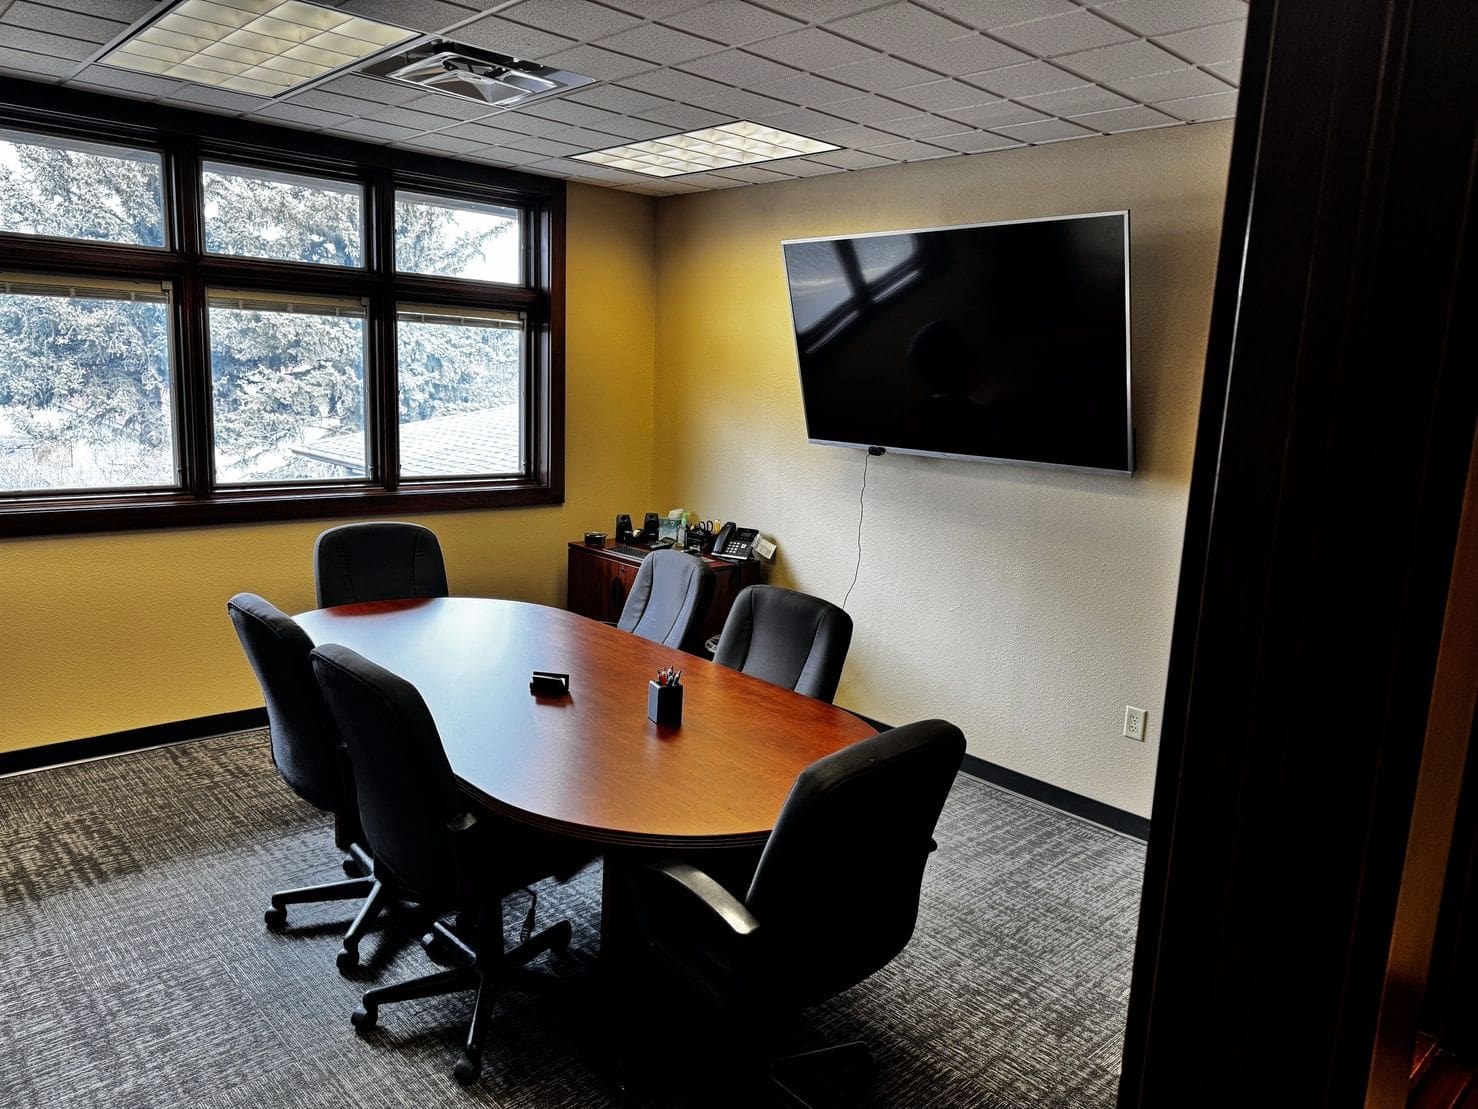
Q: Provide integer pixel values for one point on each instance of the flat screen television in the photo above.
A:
(996, 341)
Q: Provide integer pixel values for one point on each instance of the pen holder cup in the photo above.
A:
(665, 704)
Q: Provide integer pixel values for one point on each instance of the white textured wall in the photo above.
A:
(1026, 605)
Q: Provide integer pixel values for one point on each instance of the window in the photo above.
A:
(461, 401)
(80, 190)
(268, 325)
(287, 380)
(261, 213)
(85, 397)
(457, 238)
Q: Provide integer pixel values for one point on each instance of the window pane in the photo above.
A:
(259, 213)
(84, 388)
(79, 190)
(461, 394)
(287, 378)
(457, 238)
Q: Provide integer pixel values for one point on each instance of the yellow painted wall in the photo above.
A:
(1026, 605)
(102, 633)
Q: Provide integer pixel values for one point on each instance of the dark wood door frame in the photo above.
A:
(1337, 419)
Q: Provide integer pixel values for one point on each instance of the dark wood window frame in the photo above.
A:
(184, 140)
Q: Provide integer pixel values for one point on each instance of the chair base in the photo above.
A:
(375, 893)
(829, 1078)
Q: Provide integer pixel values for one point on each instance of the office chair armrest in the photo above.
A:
(696, 889)
(461, 823)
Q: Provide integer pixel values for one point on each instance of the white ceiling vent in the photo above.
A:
(493, 79)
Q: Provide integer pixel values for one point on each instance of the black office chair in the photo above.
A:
(786, 638)
(381, 561)
(834, 899)
(441, 856)
(669, 600)
(309, 755)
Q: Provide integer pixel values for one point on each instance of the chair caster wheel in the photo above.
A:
(347, 961)
(275, 919)
(468, 1067)
(437, 950)
(352, 869)
(363, 1018)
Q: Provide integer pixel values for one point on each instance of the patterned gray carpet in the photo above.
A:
(135, 970)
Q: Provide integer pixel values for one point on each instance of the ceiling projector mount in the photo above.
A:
(497, 80)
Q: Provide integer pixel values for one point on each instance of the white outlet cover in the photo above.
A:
(1135, 722)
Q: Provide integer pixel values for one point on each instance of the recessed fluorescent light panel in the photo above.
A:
(713, 148)
(264, 47)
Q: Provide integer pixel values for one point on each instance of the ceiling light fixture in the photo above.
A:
(712, 148)
(264, 47)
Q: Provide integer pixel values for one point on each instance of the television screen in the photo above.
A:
(1000, 341)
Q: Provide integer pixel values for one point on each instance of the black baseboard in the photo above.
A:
(135, 739)
(1065, 799)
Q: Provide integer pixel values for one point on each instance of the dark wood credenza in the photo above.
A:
(600, 579)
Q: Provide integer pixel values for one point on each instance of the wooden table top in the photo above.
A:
(591, 765)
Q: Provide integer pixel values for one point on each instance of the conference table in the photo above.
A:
(590, 766)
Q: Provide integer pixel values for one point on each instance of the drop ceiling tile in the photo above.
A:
(1117, 63)
(692, 182)
(966, 54)
(332, 102)
(999, 113)
(803, 121)
(653, 9)
(405, 117)
(566, 112)
(1219, 105)
(223, 100)
(1169, 86)
(419, 15)
(53, 46)
(1027, 79)
(897, 27)
(739, 104)
(636, 130)
(672, 84)
(304, 117)
(547, 147)
(374, 129)
(737, 67)
(805, 167)
(880, 74)
(943, 96)
(1228, 71)
(870, 109)
(1076, 102)
(808, 89)
(507, 37)
(583, 137)
(125, 10)
(1044, 130)
(976, 142)
(614, 98)
(1220, 42)
(733, 22)
(1125, 119)
(576, 19)
(367, 88)
(853, 136)
(451, 107)
(1063, 34)
(926, 127)
(812, 49)
(849, 159)
(1002, 13)
(106, 77)
(754, 175)
(681, 117)
(54, 21)
(660, 45)
(911, 151)
(443, 144)
(603, 65)
(32, 65)
(508, 156)
(1161, 17)
(519, 123)
(482, 134)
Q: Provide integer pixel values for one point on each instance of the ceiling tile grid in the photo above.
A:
(886, 81)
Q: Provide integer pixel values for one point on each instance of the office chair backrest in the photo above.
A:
(406, 790)
(786, 638)
(381, 561)
(669, 600)
(837, 888)
(304, 740)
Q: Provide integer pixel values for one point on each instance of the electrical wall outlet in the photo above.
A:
(1135, 721)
